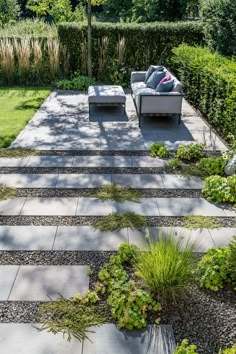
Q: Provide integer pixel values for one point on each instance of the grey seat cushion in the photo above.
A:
(137, 86)
(106, 94)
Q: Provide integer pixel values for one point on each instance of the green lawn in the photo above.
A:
(17, 106)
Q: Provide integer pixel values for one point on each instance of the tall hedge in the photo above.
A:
(120, 48)
(210, 84)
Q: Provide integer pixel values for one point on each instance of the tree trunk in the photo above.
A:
(89, 39)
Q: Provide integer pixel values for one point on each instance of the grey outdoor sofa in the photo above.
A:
(149, 102)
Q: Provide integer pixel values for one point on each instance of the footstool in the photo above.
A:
(106, 95)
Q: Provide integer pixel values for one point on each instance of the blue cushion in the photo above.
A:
(165, 86)
(155, 78)
(151, 70)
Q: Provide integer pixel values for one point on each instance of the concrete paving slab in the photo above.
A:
(147, 161)
(11, 206)
(230, 211)
(92, 161)
(181, 182)
(49, 206)
(7, 276)
(13, 162)
(50, 161)
(186, 206)
(29, 180)
(26, 238)
(22, 338)
(94, 207)
(121, 161)
(146, 207)
(138, 180)
(222, 237)
(82, 180)
(86, 238)
(36, 283)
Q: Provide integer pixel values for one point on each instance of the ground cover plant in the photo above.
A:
(159, 150)
(18, 152)
(116, 221)
(200, 222)
(220, 189)
(18, 105)
(187, 348)
(190, 151)
(7, 192)
(117, 193)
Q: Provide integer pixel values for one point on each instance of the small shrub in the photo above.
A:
(166, 267)
(186, 348)
(127, 252)
(117, 193)
(211, 166)
(80, 83)
(115, 221)
(200, 222)
(190, 151)
(220, 189)
(173, 166)
(232, 261)
(160, 150)
(213, 269)
(7, 192)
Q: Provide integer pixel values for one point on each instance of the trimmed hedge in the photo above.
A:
(120, 48)
(210, 85)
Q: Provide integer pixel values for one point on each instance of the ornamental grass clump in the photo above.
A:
(115, 221)
(200, 222)
(166, 267)
(7, 192)
(117, 193)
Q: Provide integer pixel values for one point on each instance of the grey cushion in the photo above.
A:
(151, 70)
(106, 94)
(137, 86)
(177, 87)
(165, 86)
(155, 78)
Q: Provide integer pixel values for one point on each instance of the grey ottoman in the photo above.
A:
(106, 95)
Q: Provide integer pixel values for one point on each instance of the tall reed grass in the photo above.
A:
(7, 61)
(22, 48)
(53, 48)
(38, 56)
(121, 50)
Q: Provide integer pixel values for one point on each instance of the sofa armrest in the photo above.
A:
(138, 76)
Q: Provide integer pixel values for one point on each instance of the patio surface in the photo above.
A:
(63, 123)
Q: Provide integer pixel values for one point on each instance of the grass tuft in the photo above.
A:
(7, 192)
(201, 222)
(10, 153)
(117, 193)
(115, 221)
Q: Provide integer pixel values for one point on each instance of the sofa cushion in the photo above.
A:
(165, 86)
(151, 70)
(155, 78)
(177, 87)
(137, 86)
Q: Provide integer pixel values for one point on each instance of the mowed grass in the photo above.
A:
(17, 107)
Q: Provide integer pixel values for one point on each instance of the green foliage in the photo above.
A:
(166, 267)
(60, 10)
(117, 193)
(173, 166)
(231, 350)
(232, 261)
(29, 27)
(159, 149)
(78, 82)
(210, 85)
(211, 166)
(186, 348)
(213, 269)
(7, 192)
(72, 318)
(115, 221)
(190, 151)
(116, 53)
(220, 189)
(219, 23)
(200, 222)
(10, 153)
(129, 303)
(9, 11)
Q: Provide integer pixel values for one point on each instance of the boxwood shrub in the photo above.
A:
(210, 84)
(119, 48)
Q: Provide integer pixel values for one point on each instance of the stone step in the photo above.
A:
(86, 238)
(37, 283)
(21, 338)
(93, 207)
(151, 181)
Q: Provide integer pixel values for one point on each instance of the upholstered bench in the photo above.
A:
(106, 95)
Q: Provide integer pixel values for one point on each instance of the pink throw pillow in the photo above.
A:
(166, 78)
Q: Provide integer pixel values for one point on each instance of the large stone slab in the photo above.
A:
(138, 180)
(50, 161)
(13, 162)
(22, 338)
(153, 340)
(49, 206)
(29, 180)
(181, 182)
(147, 207)
(222, 237)
(7, 276)
(11, 206)
(82, 180)
(86, 238)
(147, 161)
(92, 161)
(122, 161)
(36, 283)
(94, 207)
(26, 238)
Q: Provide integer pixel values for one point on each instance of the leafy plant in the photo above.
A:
(186, 348)
(117, 193)
(166, 267)
(212, 166)
(159, 149)
(115, 221)
(213, 269)
(81, 83)
(220, 189)
(190, 151)
(231, 350)
(70, 317)
(232, 261)
(7, 192)
(127, 252)
(9, 11)
(200, 222)
(173, 166)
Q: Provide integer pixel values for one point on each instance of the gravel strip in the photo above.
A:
(171, 221)
(86, 192)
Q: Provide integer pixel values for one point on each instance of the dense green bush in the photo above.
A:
(220, 189)
(210, 84)
(9, 11)
(120, 48)
(232, 261)
(211, 166)
(186, 348)
(78, 82)
(159, 149)
(190, 151)
(219, 23)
